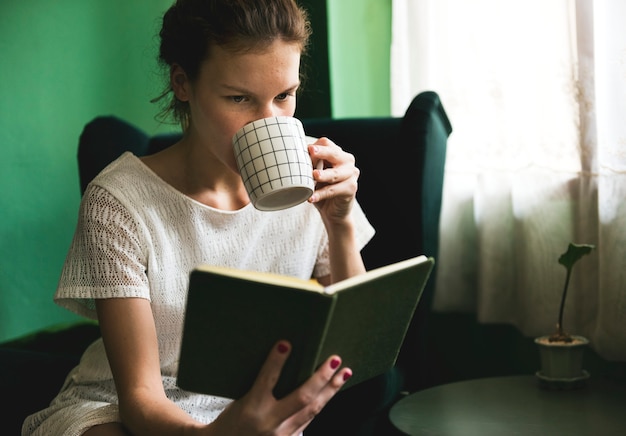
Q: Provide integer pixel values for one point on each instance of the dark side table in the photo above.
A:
(514, 405)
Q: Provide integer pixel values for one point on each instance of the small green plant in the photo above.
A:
(568, 259)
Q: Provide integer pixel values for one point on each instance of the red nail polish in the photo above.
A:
(282, 348)
(334, 363)
(347, 375)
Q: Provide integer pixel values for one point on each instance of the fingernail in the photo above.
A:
(335, 363)
(347, 375)
(282, 348)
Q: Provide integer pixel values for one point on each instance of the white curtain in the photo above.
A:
(536, 94)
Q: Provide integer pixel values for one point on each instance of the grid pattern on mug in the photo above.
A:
(267, 167)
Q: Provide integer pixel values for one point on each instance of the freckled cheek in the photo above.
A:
(224, 128)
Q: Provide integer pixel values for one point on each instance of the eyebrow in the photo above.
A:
(245, 91)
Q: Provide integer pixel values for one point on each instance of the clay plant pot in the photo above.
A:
(562, 362)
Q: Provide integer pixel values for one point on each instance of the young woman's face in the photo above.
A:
(234, 89)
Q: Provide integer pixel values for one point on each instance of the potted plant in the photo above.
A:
(562, 353)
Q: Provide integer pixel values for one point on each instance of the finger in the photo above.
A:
(309, 399)
(337, 174)
(342, 192)
(331, 153)
(303, 417)
(333, 165)
(270, 371)
(317, 156)
(255, 412)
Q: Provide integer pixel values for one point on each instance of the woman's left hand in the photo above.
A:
(336, 182)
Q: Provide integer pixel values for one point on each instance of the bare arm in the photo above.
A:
(129, 336)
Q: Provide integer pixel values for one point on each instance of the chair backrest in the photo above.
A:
(102, 141)
(427, 123)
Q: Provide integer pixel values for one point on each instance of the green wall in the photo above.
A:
(64, 62)
(360, 39)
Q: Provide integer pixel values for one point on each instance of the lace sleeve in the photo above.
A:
(105, 259)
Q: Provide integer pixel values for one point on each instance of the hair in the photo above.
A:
(190, 28)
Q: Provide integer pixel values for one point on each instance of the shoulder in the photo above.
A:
(127, 166)
(128, 181)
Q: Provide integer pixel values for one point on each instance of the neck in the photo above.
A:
(200, 176)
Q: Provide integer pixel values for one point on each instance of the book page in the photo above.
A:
(264, 277)
(373, 274)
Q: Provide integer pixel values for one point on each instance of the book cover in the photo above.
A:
(234, 317)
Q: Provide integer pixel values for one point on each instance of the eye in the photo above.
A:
(283, 96)
(238, 98)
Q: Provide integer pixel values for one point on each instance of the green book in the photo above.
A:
(234, 317)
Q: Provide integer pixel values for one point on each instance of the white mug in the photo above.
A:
(274, 162)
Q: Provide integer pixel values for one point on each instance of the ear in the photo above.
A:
(179, 82)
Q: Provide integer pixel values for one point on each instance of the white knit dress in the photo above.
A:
(139, 237)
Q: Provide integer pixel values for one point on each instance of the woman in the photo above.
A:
(145, 223)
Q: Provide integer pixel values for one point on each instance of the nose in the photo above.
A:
(267, 111)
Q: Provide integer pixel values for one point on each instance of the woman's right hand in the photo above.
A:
(260, 413)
